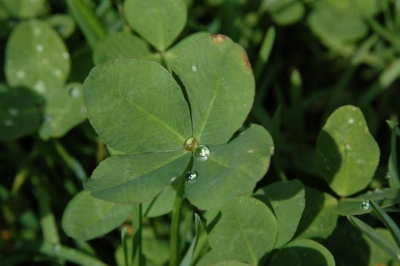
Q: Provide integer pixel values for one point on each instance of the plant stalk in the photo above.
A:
(174, 239)
(137, 258)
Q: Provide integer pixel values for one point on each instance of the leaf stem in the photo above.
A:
(137, 259)
(174, 239)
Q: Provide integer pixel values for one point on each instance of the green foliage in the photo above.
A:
(193, 158)
(245, 230)
(86, 217)
(347, 153)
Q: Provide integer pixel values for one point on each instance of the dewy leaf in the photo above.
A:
(219, 81)
(173, 52)
(303, 252)
(86, 217)
(136, 106)
(232, 170)
(36, 58)
(319, 217)
(24, 9)
(159, 22)
(19, 113)
(288, 201)
(64, 110)
(135, 178)
(245, 230)
(120, 45)
(385, 198)
(347, 153)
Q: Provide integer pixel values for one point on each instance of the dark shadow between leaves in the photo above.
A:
(213, 223)
(329, 157)
(347, 245)
(299, 256)
(314, 205)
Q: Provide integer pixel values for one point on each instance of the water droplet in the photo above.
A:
(354, 108)
(65, 55)
(58, 73)
(272, 150)
(250, 151)
(378, 190)
(39, 87)
(8, 122)
(194, 68)
(173, 179)
(36, 30)
(21, 74)
(39, 48)
(202, 153)
(191, 177)
(13, 111)
(351, 120)
(387, 176)
(48, 118)
(365, 205)
(74, 92)
(347, 146)
(56, 248)
(191, 144)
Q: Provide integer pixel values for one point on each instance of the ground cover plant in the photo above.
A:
(184, 132)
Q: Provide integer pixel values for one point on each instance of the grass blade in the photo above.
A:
(376, 237)
(394, 180)
(389, 223)
(188, 259)
(265, 52)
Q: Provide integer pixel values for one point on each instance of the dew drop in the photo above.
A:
(39, 87)
(365, 205)
(58, 73)
(250, 151)
(39, 48)
(13, 111)
(272, 150)
(56, 248)
(48, 118)
(21, 74)
(347, 146)
(8, 122)
(173, 179)
(378, 190)
(74, 92)
(387, 176)
(65, 55)
(202, 153)
(191, 177)
(351, 121)
(36, 31)
(191, 144)
(194, 68)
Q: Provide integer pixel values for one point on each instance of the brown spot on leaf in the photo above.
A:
(218, 38)
(246, 61)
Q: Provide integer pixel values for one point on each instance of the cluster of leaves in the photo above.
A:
(185, 129)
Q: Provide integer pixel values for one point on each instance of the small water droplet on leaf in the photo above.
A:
(191, 144)
(39, 48)
(13, 111)
(351, 120)
(8, 122)
(365, 205)
(56, 248)
(74, 92)
(191, 177)
(387, 176)
(202, 153)
(194, 68)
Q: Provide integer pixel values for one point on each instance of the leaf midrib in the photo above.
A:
(153, 117)
(245, 238)
(217, 87)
